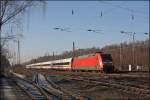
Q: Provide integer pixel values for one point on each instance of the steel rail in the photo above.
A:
(52, 89)
(76, 97)
(122, 87)
(31, 89)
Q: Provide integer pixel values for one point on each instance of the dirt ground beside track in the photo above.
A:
(94, 91)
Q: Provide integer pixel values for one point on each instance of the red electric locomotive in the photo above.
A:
(98, 62)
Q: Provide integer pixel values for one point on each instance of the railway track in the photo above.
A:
(31, 90)
(41, 89)
(123, 87)
(34, 91)
(55, 90)
(9, 90)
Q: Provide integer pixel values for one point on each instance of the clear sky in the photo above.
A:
(108, 16)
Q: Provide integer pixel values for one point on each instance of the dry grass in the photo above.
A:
(94, 91)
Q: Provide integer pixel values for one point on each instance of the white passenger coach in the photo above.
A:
(56, 64)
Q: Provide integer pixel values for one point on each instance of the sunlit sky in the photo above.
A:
(110, 17)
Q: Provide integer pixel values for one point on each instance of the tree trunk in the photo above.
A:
(0, 37)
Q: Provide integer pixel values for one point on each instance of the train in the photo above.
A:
(92, 62)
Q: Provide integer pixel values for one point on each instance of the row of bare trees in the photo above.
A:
(65, 54)
(11, 13)
(121, 53)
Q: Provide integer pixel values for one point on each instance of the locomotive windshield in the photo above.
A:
(106, 57)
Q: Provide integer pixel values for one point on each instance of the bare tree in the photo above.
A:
(10, 13)
(10, 10)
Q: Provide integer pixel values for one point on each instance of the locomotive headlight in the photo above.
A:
(100, 63)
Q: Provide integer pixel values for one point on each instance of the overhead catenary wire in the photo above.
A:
(104, 12)
(141, 13)
(124, 8)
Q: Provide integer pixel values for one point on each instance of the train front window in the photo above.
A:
(106, 57)
(62, 63)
